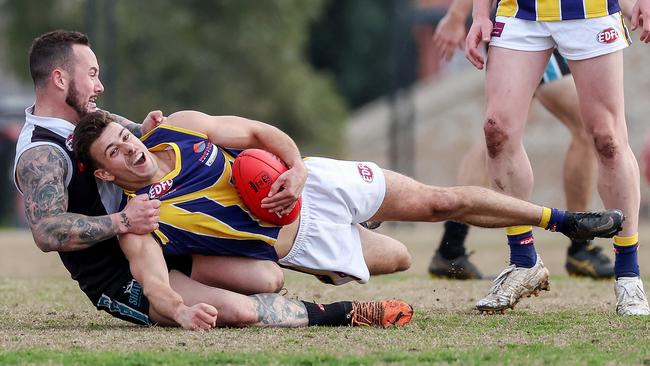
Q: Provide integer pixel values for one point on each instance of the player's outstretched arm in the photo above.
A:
(149, 269)
(41, 173)
(450, 32)
(238, 132)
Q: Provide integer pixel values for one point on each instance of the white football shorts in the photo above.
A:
(337, 196)
(577, 39)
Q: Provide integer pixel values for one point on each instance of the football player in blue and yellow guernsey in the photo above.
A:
(184, 165)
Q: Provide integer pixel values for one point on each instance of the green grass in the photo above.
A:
(573, 353)
(46, 320)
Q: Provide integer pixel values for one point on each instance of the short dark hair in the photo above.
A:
(52, 50)
(87, 131)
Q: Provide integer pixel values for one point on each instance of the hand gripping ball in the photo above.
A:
(254, 171)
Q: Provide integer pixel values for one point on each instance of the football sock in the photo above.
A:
(578, 245)
(552, 219)
(522, 247)
(626, 263)
(452, 244)
(334, 314)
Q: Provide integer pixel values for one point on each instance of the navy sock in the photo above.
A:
(522, 249)
(556, 221)
(626, 263)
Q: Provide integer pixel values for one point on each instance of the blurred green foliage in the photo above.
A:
(352, 40)
(242, 57)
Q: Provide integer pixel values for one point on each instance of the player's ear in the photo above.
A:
(104, 175)
(59, 78)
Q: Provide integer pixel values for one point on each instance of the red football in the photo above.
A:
(254, 171)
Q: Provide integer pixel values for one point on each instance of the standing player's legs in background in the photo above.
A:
(557, 94)
(599, 81)
(560, 98)
(511, 79)
(451, 259)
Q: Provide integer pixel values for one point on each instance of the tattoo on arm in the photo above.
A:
(134, 128)
(276, 310)
(41, 173)
(125, 220)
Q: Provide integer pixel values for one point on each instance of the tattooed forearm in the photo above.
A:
(125, 220)
(134, 128)
(275, 310)
(41, 173)
(70, 231)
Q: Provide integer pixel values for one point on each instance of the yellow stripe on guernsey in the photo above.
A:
(595, 8)
(548, 10)
(507, 8)
(518, 230)
(556, 10)
(626, 241)
(199, 223)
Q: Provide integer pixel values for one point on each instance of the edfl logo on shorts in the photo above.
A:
(609, 35)
(365, 172)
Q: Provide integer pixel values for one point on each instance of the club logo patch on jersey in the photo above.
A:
(365, 172)
(68, 142)
(606, 36)
(159, 189)
(497, 29)
(209, 152)
(199, 147)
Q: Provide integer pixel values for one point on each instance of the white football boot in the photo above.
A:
(630, 297)
(513, 284)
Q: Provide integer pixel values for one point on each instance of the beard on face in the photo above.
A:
(72, 99)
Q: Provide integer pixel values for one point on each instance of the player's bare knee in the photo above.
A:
(271, 279)
(404, 260)
(496, 136)
(276, 280)
(606, 145)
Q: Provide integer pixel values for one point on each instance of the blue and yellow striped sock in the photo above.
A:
(626, 263)
(522, 246)
(552, 219)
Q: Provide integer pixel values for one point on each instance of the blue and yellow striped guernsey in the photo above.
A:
(201, 212)
(554, 10)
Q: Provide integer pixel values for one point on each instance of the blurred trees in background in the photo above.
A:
(367, 45)
(222, 57)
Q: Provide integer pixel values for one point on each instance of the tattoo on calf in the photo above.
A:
(273, 309)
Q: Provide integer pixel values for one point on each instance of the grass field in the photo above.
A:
(47, 320)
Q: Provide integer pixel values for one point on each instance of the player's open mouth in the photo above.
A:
(140, 159)
(92, 102)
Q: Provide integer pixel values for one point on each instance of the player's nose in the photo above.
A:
(128, 148)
